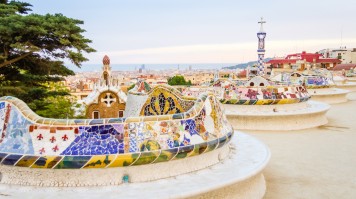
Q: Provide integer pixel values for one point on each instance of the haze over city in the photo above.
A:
(161, 32)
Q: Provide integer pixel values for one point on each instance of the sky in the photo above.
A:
(205, 31)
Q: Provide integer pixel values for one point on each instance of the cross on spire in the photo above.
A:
(261, 22)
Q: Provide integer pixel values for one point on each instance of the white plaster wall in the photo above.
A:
(353, 57)
(134, 105)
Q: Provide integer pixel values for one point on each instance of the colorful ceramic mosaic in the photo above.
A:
(163, 101)
(141, 87)
(175, 131)
(230, 93)
(317, 78)
(316, 82)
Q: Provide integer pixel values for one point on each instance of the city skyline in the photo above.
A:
(158, 32)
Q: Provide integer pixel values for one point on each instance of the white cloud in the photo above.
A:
(216, 53)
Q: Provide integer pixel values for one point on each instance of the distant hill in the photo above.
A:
(244, 65)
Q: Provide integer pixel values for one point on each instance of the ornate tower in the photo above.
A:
(261, 35)
(216, 75)
(106, 70)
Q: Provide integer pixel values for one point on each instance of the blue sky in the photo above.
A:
(206, 31)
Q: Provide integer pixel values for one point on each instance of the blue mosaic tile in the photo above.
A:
(17, 138)
(116, 120)
(97, 140)
(190, 126)
(133, 143)
(96, 122)
(11, 159)
(2, 156)
(170, 143)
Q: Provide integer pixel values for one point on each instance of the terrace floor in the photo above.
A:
(314, 163)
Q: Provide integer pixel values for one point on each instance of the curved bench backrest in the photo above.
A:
(163, 100)
(249, 95)
(24, 132)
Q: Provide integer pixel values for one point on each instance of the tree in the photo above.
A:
(33, 49)
(131, 87)
(178, 80)
(46, 38)
(54, 107)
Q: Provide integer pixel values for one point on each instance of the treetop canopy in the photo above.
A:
(35, 37)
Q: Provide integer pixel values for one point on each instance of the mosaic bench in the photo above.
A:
(264, 105)
(180, 128)
(324, 89)
(229, 93)
(28, 140)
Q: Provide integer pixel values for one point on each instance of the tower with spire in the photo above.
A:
(216, 75)
(106, 70)
(107, 100)
(261, 35)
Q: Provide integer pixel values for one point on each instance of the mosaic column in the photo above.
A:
(261, 35)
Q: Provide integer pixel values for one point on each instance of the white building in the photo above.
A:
(347, 56)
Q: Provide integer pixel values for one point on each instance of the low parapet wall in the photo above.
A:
(329, 95)
(350, 86)
(278, 117)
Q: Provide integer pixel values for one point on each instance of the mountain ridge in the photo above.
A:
(244, 65)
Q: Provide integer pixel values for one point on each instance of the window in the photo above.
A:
(339, 55)
(106, 78)
(121, 113)
(96, 115)
(252, 84)
(262, 84)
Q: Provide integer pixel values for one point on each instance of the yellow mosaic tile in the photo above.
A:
(147, 157)
(46, 162)
(27, 161)
(99, 161)
(123, 160)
